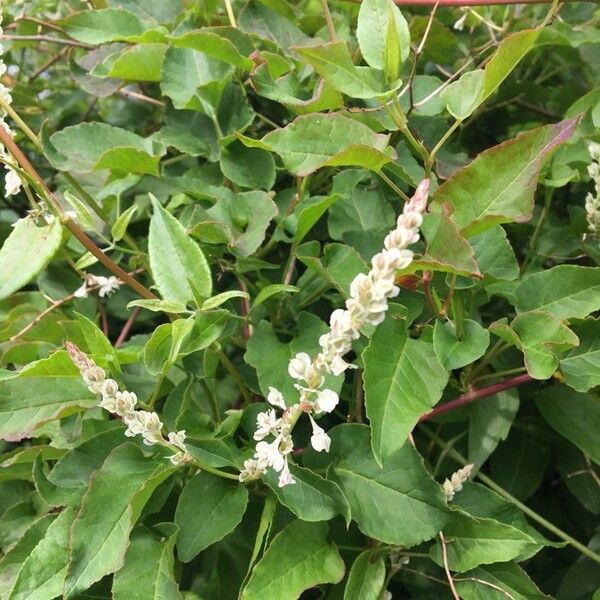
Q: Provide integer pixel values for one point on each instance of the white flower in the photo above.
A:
(108, 285)
(319, 440)
(109, 388)
(253, 469)
(178, 439)
(327, 400)
(266, 423)
(275, 398)
(180, 458)
(455, 483)
(81, 292)
(592, 201)
(146, 424)
(94, 378)
(285, 477)
(122, 403)
(270, 454)
(12, 182)
(301, 367)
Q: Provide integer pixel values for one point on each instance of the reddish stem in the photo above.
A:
(490, 390)
(127, 327)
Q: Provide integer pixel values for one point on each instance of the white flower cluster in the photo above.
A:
(367, 305)
(455, 483)
(122, 403)
(106, 285)
(592, 201)
(12, 181)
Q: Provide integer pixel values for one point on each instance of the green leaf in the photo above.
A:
(567, 291)
(190, 132)
(297, 559)
(248, 167)
(499, 185)
(100, 534)
(494, 254)
(223, 297)
(41, 392)
(271, 290)
(311, 498)
(366, 577)
(464, 95)
(103, 25)
(333, 62)
(498, 582)
(158, 305)
(142, 62)
(119, 227)
(214, 45)
(403, 380)
(574, 415)
(201, 524)
(26, 251)
(82, 213)
(314, 141)
(401, 487)
(455, 352)
(581, 365)
(382, 31)
(162, 348)
(490, 420)
(43, 572)
(148, 570)
(178, 265)
(90, 146)
(477, 541)
(98, 345)
(309, 214)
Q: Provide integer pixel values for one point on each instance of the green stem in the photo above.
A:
(230, 367)
(502, 492)
(442, 141)
(328, 20)
(498, 374)
(393, 186)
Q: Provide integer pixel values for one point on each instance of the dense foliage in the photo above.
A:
(299, 300)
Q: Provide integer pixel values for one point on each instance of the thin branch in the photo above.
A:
(328, 20)
(141, 97)
(45, 38)
(447, 568)
(127, 327)
(476, 394)
(54, 59)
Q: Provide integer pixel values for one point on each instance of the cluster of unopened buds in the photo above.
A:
(366, 306)
(123, 403)
(592, 201)
(12, 180)
(455, 483)
(106, 286)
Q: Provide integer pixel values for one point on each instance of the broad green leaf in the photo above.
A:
(119, 227)
(310, 212)
(271, 290)
(490, 420)
(142, 62)
(248, 167)
(100, 534)
(401, 487)
(89, 146)
(499, 184)
(223, 297)
(101, 26)
(297, 559)
(178, 265)
(311, 498)
(581, 365)
(163, 346)
(26, 251)
(43, 572)
(366, 578)
(454, 351)
(464, 95)
(446, 250)
(208, 509)
(574, 415)
(494, 254)
(382, 31)
(479, 541)
(403, 380)
(314, 141)
(214, 45)
(540, 336)
(98, 345)
(148, 570)
(41, 392)
(240, 220)
(582, 485)
(333, 62)
(190, 132)
(567, 291)
(498, 582)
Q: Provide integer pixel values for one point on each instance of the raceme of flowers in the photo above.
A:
(106, 285)
(12, 181)
(455, 483)
(122, 403)
(367, 305)
(592, 201)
